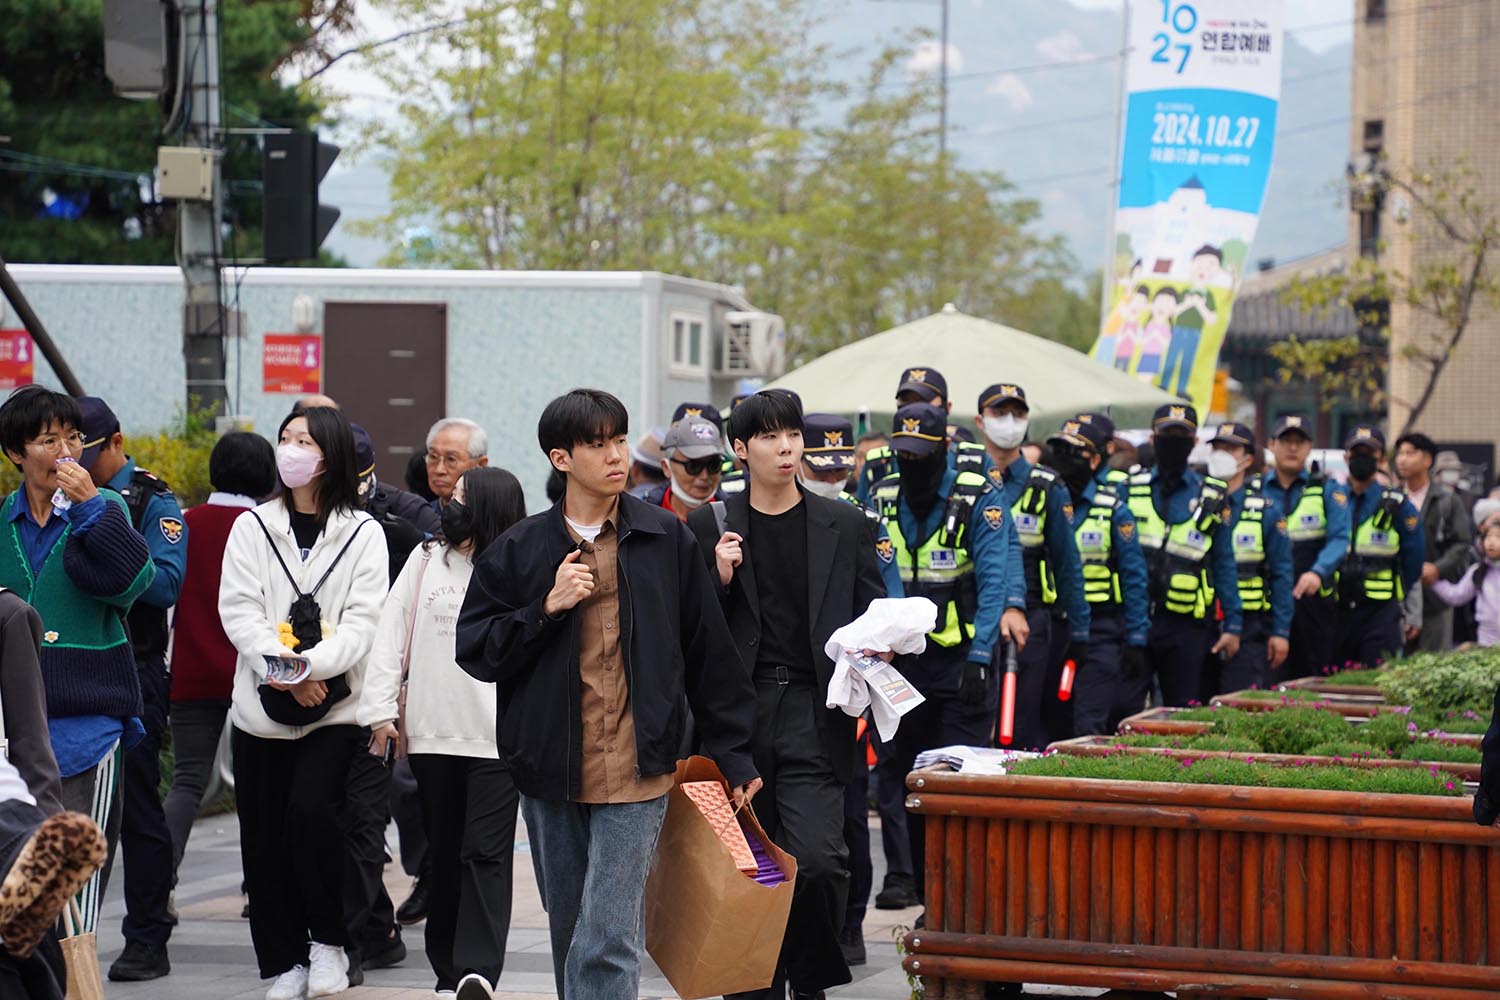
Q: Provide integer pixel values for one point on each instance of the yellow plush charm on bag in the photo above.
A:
(284, 633)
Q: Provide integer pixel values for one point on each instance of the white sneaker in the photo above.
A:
(474, 987)
(290, 985)
(443, 994)
(330, 970)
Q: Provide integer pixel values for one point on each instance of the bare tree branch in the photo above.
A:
(368, 47)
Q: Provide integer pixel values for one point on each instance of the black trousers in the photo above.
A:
(857, 836)
(1175, 649)
(1057, 715)
(1247, 668)
(145, 842)
(1314, 631)
(942, 720)
(196, 728)
(406, 810)
(801, 808)
(469, 808)
(890, 804)
(367, 906)
(1369, 632)
(291, 796)
(1035, 661)
(1098, 679)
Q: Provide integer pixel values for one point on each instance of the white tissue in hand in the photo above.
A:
(897, 625)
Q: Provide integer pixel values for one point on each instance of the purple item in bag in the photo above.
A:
(767, 872)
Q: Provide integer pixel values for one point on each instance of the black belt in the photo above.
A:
(780, 675)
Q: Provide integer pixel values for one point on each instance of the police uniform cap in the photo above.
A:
(1083, 435)
(1365, 434)
(1235, 433)
(919, 428)
(925, 382)
(1100, 420)
(1175, 415)
(1292, 423)
(828, 441)
(99, 422)
(1000, 392)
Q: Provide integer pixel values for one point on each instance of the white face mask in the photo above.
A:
(1007, 431)
(829, 491)
(1222, 465)
(688, 500)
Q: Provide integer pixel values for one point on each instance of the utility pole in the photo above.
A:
(938, 293)
(198, 236)
(1107, 275)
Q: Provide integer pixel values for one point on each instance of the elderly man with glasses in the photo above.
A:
(454, 446)
(693, 461)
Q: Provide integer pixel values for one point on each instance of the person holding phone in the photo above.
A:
(468, 798)
(304, 574)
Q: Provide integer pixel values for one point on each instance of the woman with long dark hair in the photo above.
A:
(303, 580)
(468, 799)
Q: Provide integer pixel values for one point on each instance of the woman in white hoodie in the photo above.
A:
(468, 799)
(304, 576)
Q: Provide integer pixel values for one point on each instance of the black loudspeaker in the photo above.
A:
(292, 165)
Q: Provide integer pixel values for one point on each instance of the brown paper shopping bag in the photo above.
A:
(711, 928)
(81, 953)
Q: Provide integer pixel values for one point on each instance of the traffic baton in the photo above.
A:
(1065, 682)
(1008, 695)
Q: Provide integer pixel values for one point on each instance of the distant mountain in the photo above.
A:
(1047, 129)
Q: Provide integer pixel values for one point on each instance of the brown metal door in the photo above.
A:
(386, 363)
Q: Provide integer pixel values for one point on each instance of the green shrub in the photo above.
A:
(1444, 682)
(1203, 741)
(1287, 730)
(1355, 678)
(1390, 731)
(1346, 748)
(1199, 713)
(1285, 696)
(1442, 750)
(1151, 767)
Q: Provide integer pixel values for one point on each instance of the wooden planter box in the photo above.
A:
(1160, 721)
(1354, 708)
(1203, 889)
(1105, 746)
(1331, 687)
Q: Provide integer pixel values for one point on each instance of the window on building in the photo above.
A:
(1374, 10)
(689, 342)
(1369, 232)
(1374, 136)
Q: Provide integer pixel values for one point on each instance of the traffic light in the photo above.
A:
(295, 223)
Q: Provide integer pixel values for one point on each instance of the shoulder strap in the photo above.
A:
(411, 625)
(277, 553)
(143, 486)
(336, 559)
(721, 516)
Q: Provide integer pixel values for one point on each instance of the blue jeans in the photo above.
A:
(591, 864)
(1183, 352)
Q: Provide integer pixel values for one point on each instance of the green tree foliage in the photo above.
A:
(1457, 236)
(73, 142)
(704, 137)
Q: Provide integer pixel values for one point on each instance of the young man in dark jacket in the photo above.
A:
(794, 567)
(594, 619)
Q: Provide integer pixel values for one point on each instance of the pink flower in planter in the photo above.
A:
(1448, 786)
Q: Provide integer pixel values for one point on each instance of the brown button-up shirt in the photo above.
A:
(609, 758)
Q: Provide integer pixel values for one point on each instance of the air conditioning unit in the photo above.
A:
(751, 344)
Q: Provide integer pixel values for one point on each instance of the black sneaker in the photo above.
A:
(474, 987)
(356, 972)
(898, 893)
(852, 944)
(138, 963)
(414, 910)
(392, 952)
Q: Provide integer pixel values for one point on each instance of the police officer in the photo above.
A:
(1263, 559)
(1384, 561)
(1317, 520)
(827, 465)
(1181, 521)
(956, 546)
(1043, 514)
(1114, 573)
(145, 842)
(1106, 428)
(919, 385)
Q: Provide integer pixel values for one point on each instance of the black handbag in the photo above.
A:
(306, 619)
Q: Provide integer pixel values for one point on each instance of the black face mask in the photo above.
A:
(921, 477)
(1074, 470)
(1172, 455)
(458, 522)
(1362, 467)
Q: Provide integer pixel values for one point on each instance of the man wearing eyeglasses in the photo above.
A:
(693, 459)
(454, 446)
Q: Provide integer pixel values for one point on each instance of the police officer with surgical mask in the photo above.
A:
(827, 464)
(1263, 560)
(1043, 513)
(1182, 523)
(1384, 561)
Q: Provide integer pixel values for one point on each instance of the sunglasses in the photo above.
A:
(700, 466)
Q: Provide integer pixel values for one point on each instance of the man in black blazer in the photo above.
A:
(794, 567)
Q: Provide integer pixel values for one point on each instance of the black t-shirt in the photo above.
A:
(305, 529)
(778, 550)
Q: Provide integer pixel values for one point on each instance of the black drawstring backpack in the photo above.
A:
(306, 619)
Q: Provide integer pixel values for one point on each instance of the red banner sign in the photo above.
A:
(17, 359)
(292, 363)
